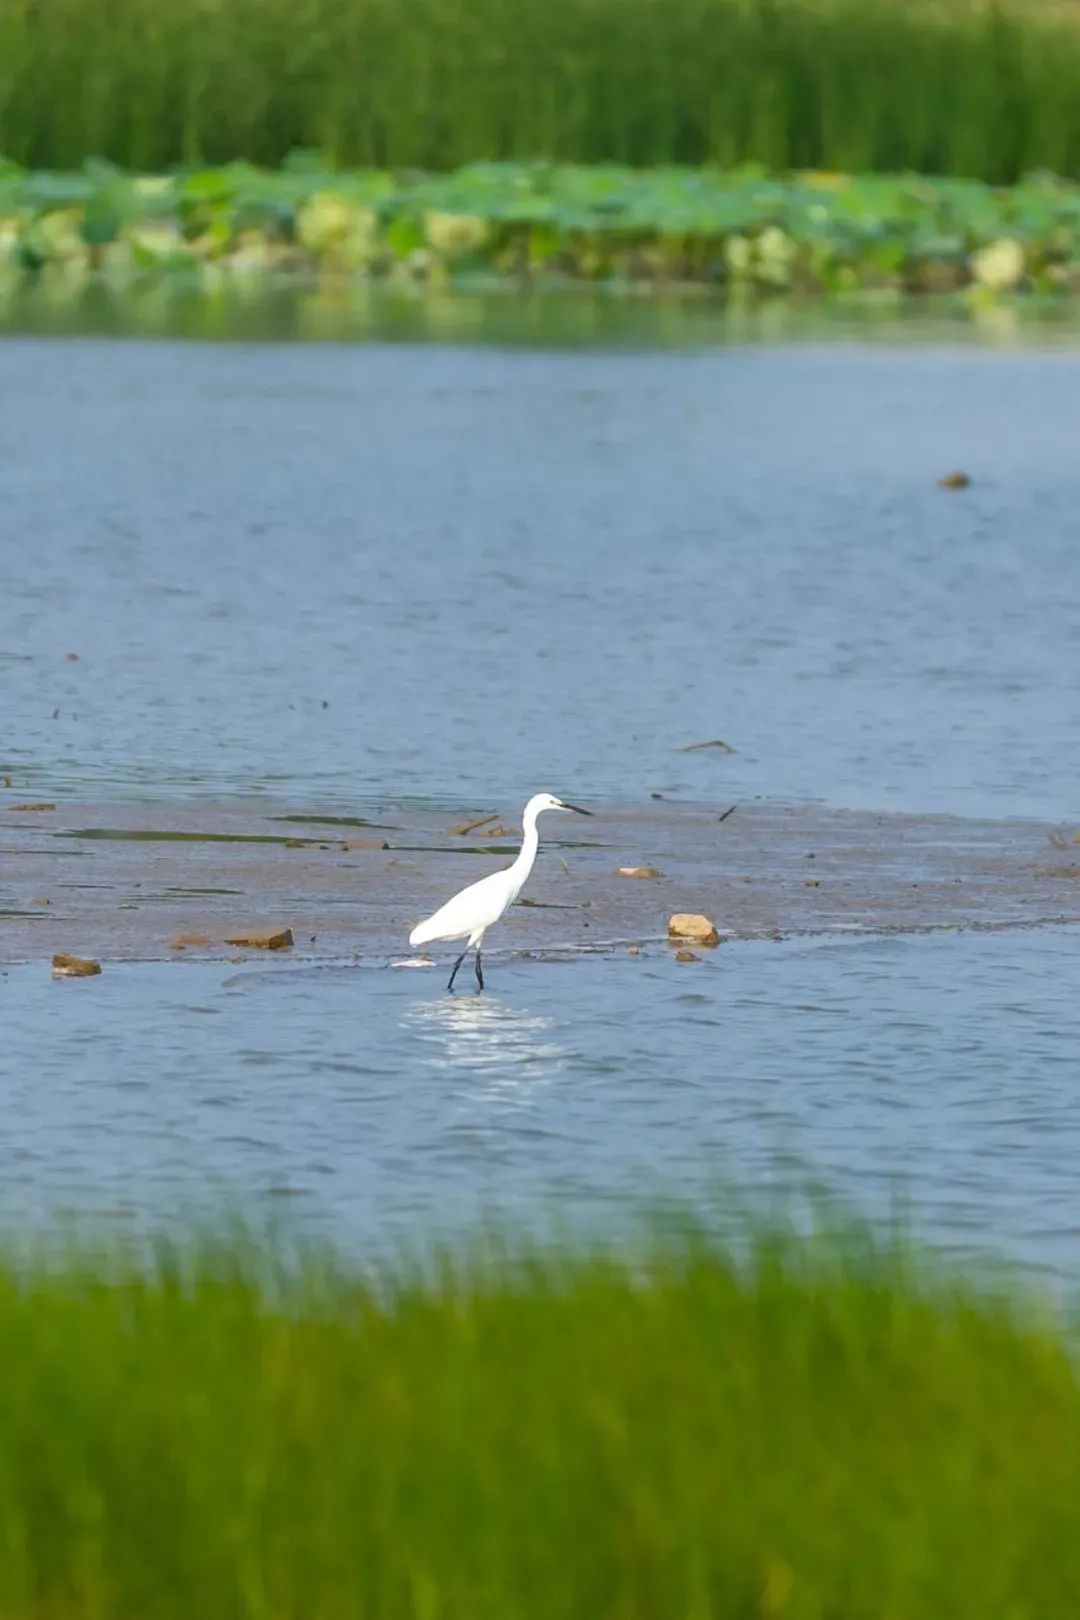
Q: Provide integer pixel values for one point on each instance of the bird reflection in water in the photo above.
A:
(469, 1033)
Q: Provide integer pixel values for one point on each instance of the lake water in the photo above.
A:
(382, 572)
(940, 1073)
(379, 574)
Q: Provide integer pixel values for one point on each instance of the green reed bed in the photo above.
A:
(795, 1433)
(801, 233)
(937, 86)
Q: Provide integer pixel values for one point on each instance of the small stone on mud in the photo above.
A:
(692, 925)
(954, 480)
(74, 967)
(33, 807)
(686, 956)
(262, 939)
(181, 941)
(637, 872)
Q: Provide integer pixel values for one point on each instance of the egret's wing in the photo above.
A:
(478, 906)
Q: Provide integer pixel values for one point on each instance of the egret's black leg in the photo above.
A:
(457, 964)
(479, 969)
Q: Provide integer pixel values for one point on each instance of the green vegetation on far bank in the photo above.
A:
(935, 86)
(795, 1433)
(800, 233)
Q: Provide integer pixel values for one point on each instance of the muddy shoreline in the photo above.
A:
(122, 881)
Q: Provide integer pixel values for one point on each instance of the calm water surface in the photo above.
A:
(375, 572)
(940, 1071)
(381, 573)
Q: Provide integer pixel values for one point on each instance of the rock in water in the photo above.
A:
(262, 939)
(637, 872)
(74, 967)
(692, 925)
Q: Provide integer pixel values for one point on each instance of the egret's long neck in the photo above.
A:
(527, 853)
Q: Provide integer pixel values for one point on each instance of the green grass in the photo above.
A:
(799, 1433)
(803, 233)
(841, 84)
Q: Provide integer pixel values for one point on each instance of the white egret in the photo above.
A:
(471, 912)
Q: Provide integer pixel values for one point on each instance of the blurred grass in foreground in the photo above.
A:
(803, 1432)
(977, 89)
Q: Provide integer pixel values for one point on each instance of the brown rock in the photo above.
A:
(262, 939)
(692, 925)
(181, 941)
(637, 872)
(686, 956)
(74, 967)
(954, 480)
(33, 807)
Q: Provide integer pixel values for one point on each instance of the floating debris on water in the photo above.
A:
(465, 827)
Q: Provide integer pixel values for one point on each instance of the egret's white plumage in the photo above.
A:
(470, 913)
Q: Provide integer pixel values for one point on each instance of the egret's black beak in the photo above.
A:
(576, 808)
